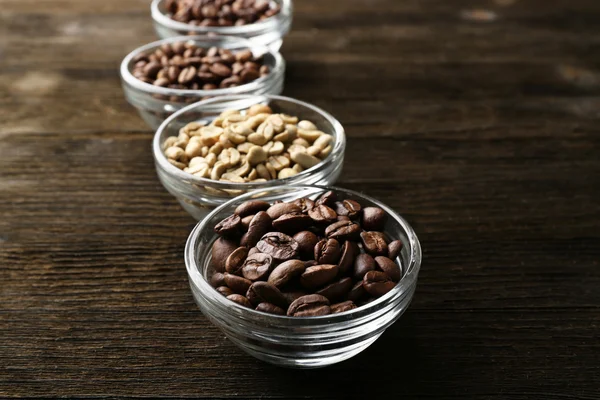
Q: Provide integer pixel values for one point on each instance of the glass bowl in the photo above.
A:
(269, 32)
(199, 196)
(155, 103)
(291, 341)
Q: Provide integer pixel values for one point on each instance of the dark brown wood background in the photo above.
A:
(478, 120)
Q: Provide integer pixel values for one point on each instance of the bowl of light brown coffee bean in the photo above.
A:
(206, 154)
(303, 276)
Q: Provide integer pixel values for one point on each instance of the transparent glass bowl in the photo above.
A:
(155, 103)
(301, 342)
(199, 196)
(269, 32)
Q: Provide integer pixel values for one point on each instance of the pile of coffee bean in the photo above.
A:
(184, 65)
(304, 258)
(221, 12)
(254, 146)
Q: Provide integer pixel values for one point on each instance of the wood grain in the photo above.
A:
(478, 121)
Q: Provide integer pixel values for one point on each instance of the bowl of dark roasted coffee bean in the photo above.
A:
(165, 76)
(205, 155)
(263, 22)
(303, 276)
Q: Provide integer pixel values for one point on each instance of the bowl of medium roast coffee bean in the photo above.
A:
(214, 150)
(303, 276)
(263, 22)
(165, 76)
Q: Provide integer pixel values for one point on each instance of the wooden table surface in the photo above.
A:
(478, 120)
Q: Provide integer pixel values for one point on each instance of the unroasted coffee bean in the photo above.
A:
(327, 198)
(251, 207)
(278, 245)
(260, 224)
(235, 261)
(319, 275)
(389, 267)
(349, 252)
(285, 272)
(304, 203)
(292, 223)
(229, 226)
(336, 290)
(277, 210)
(374, 244)
(363, 264)
(237, 283)
(311, 305)
(327, 251)
(394, 249)
(257, 267)
(377, 283)
(217, 279)
(224, 290)
(264, 292)
(348, 208)
(270, 309)
(241, 300)
(221, 249)
(357, 292)
(373, 219)
(343, 230)
(341, 307)
(306, 242)
(321, 213)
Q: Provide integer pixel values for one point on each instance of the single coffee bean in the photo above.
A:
(336, 290)
(306, 242)
(341, 307)
(327, 198)
(241, 300)
(270, 309)
(246, 221)
(373, 219)
(251, 207)
(264, 292)
(349, 252)
(237, 283)
(327, 251)
(187, 75)
(217, 279)
(311, 305)
(277, 210)
(229, 226)
(363, 264)
(377, 283)
(278, 245)
(221, 249)
(235, 261)
(224, 290)
(348, 208)
(319, 275)
(292, 223)
(285, 272)
(257, 267)
(389, 267)
(321, 213)
(381, 235)
(304, 203)
(342, 218)
(394, 249)
(260, 224)
(374, 244)
(343, 230)
(357, 292)
(293, 295)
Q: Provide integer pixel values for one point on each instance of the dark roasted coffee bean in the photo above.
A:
(249, 75)
(241, 300)
(217, 279)
(220, 13)
(187, 75)
(237, 283)
(349, 252)
(373, 219)
(251, 207)
(270, 309)
(374, 244)
(292, 223)
(221, 70)
(278, 245)
(306, 242)
(327, 198)
(341, 307)
(311, 305)
(304, 203)
(277, 210)
(348, 208)
(327, 251)
(221, 249)
(310, 263)
(235, 261)
(357, 292)
(229, 226)
(260, 224)
(336, 290)
(388, 266)
(342, 218)
(246, 221)
(343, 230)
(224, 290)
(161, 82)
(151, 69)
(319, 275)
(321, 213)
(253, 250)
(285, 272)
(257, 267)
(394, 249)
(264, 292)
(363, 264)
(293, 295)
(377, 283)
